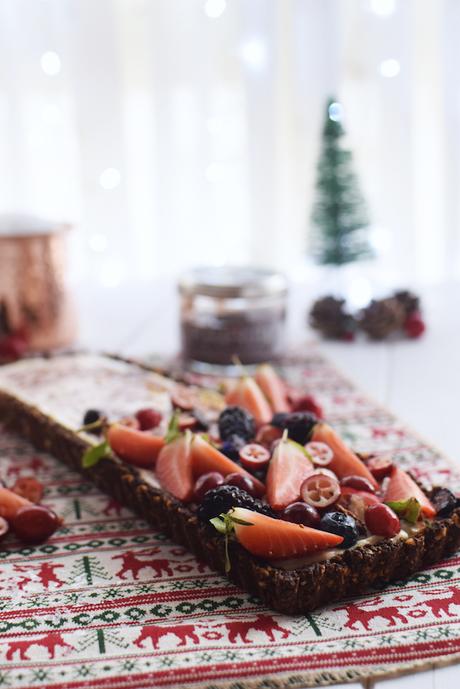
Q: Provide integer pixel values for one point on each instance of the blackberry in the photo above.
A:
(444, 501)
(235, 421)
(219, 500)
(299, 425)
(92, 416)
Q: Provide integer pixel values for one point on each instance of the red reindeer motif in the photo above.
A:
(34, 464)
(156, 632)
(263, 623)
(50, 641)
(442, 605)
(358, 614)
(112, 507)
(45, 573)
(133, 564)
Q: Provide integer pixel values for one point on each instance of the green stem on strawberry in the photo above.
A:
(224, 524)
(173, 432)
(406, 509)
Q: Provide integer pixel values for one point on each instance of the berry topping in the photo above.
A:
(148, 419)
(382, 521)
(380, 467)
(342, 525)
(254, 456)
(401, 487)
(414, 325)
(206, 482)
(320, 491)
(247, 394)
(287, 470)
(235, 421)
(308, 403)
(28, 487)
(276, 539)
(344, 462)
(174, 467)
(358, 483)
(4, 528)
(299, 425)
(96, 417)
(34, 523)
(444, 501)
(320, 453)
(301, 513)
(273, 387)
(134, 446)
(184, 398)
(221, 499)
(244, 482)
(357, 501)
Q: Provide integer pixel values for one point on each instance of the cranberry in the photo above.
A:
(184, 398)
(4, 528)
(321, 454)
(148, 419)
(242, 481)
(380, 467)
(28, 487)
(308, 403)
(358, 483)
(34, 524)
(320, 490)
(254, 456)
(207, 482)
(382, 521)
(301, 513)
(414, 325)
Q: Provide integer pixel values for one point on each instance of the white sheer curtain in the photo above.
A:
(177, 132)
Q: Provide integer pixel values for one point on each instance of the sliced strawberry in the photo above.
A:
(136, 447)
(11, 503)
(273, 388)
(344, 462)
(247, 394)
(276, 539)
(402, 487)
(207, 458)
(174, 467)
(288, 469)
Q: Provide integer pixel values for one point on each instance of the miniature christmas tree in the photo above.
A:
(339, 215)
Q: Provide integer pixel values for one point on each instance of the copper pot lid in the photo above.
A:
(14, 225)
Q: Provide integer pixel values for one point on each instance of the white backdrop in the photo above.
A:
(176, 132)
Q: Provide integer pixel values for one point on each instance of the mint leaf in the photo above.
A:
(173, 431)
(224, 525)
(94, 454)
(407, 509)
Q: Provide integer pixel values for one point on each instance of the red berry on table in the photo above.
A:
(12, 347)
(380, 467)
(414, 325)
(320, 491)
(244, 482)
(382, 521)
(320, 453)
(207, 482)
(148, 419)
(308, 403)
(34, 524)
(301, 513)
(254, 456)
(358, 483)
(28, 487)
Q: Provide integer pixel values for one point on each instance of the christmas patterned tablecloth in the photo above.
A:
(110, 603)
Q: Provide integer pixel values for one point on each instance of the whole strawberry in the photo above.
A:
(414, 325)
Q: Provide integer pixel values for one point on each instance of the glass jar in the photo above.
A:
(230, 314)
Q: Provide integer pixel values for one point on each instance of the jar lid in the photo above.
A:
(233, 282)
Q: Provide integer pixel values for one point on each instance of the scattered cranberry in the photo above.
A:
(254, 456)
(207, 482)
(4, 528)
(321, 453)
(267, 434)
(414, 325)
(358, 483)
(28, 487)
(148, 419)
(34, 524)
(242, 481)
(380, 467)
(382, 521)
(301, 513)
(308, 403)
(320, 490)
(12, 347)
(184, 398)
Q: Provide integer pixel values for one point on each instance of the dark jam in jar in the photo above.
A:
(232, 312)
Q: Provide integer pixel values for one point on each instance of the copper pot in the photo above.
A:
(34, 297)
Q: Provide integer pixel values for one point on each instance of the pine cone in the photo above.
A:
(328, 315)
(408, 300)
(382, 317)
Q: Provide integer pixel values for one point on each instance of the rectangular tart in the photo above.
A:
(43, 400)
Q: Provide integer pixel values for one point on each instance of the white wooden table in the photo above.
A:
(419, 380)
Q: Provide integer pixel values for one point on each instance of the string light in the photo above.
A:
(215, 8)
(110, 178)
(383, 8)
(390, 68)
(335, 112)
(50, 63)
(254, 53)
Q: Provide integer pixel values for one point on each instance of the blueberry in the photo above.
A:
(91, 416)
(231, 447)
(342, 525)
